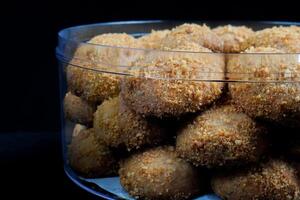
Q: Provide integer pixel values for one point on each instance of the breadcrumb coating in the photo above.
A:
(202, 35)
(221, 137)
(153, 39)
(271, 101)
(233, 37)
(95, 86)
(274, 180)
(78, 110)
(284, 38)
(163, 86)
(159, 174)
(117, 125)
(294, 28)
(181, 78)
(89, 157)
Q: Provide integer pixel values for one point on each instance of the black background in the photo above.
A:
(29, 28)
(29, 144)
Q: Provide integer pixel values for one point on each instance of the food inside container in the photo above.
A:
(171, 110)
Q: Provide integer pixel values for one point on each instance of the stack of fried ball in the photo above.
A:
(174, 128)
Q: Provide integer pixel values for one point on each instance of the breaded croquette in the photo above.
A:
(275, 179)
(221, 137)
(89, 157)
(116, 125)
(159, 174)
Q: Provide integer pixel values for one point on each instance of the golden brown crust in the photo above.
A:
(78, 110)
(233, 37)
(221, 137)
(278, 102)
(202, 35)
(163, 89)
(153, 39)
(294, 28)
(89, 157)
(159, 174)
(275, 180)
(284, 38)
(106, 122)
(96, 86)
(117, 125)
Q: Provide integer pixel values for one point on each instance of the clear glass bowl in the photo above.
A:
(275, 75)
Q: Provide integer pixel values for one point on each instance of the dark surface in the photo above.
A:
(31, 167)
(30, 158)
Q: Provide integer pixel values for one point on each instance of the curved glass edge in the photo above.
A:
(254, 75)
(70, 32)
(72, 38)
(78, 35)
(73, 177)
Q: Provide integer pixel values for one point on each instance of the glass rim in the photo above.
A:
(67, 46)
(62, 34)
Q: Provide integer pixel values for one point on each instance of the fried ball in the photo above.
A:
(153, 39)
(201, 35)
(95, 86)
(274, 180)
(88, 156)
(78, 110)
(274, 96)
(163, 86)
(233, 37)
(284, 38)
(221, 136)
(159, 174)
(118, 126)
